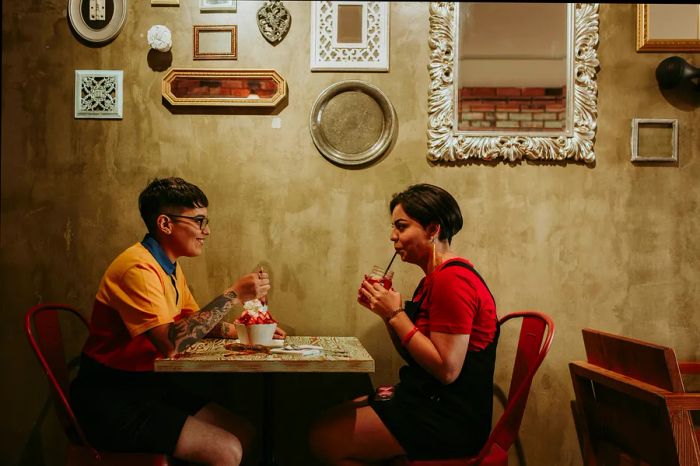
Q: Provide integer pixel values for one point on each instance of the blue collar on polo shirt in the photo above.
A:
(156, 250)
(154, 247)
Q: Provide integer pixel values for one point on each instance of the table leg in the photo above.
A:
(268, 421)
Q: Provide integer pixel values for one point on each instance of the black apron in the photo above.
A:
(432, 420)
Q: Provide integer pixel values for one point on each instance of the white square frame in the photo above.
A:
(103, 104)
(329, 55)
(671, 123)
(206, 7)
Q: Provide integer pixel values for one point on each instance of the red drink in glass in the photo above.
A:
(376, 276)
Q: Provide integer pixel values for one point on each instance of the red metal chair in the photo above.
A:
(536, 333)
(43, 330)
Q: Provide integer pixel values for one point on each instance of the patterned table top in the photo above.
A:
(340, 354)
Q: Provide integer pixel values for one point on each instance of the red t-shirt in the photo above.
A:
(456, 301)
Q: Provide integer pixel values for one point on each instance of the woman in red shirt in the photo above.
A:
(447, 334)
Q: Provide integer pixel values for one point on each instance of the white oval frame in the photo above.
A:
(97, 36)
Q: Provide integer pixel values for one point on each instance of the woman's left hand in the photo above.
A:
(381, 301)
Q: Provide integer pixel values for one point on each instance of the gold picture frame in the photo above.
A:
(215, 42)
(223, 87)
(646, 40)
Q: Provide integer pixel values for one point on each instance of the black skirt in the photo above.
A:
(430, 422)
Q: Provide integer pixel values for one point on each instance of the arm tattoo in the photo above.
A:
(190, 330)
(221, 330)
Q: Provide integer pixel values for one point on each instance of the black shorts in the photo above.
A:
(429, 426)
(131, 411)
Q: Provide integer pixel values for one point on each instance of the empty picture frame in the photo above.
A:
(217, 6)
(350, 36)
(654, 140)
(223, 88)
(98, 94)
(668, 28)
(215, 42)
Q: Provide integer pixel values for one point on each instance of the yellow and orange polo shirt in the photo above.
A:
(140, 290)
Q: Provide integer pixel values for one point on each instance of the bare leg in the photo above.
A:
(352, 434)
(212, 437)
(239, 426)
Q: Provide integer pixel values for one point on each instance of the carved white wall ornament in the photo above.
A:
(446, 144)
(98, 93)
(274, 21)
(328, 53)
(160, 38)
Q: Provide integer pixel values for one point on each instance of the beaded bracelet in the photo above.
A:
(394, 313)
(408, 336)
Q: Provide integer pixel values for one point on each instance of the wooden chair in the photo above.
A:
(631, 405)
(536, 333)
(43, 330)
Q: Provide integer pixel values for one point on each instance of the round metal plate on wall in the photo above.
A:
(99, 21)
(352, 123)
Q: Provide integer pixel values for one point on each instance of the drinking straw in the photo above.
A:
(391, 262)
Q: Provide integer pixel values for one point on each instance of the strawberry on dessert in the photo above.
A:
(255, 325)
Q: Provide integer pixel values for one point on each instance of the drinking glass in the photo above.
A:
(376, 276)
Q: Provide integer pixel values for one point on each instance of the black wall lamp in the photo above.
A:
(679, 82)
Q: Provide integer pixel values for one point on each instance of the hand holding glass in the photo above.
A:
(375, 276)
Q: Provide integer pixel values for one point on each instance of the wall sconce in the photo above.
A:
(679, 82)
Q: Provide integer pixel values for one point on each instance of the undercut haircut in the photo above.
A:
(172, 195)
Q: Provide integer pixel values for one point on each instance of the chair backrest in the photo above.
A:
(630, 404)
(43, 330)
(650, 363)
(536, 333)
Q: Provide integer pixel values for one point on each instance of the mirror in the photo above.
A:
(668, 28)
(512, 81)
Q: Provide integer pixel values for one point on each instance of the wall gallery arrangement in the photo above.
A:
(347, 35)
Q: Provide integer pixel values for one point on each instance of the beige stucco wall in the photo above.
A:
(611, 245)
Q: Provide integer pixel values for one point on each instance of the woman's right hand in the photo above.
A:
(251, 286)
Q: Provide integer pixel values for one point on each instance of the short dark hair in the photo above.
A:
(168, 193)
(427, 203)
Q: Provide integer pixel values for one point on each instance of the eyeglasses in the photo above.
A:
(200, 219)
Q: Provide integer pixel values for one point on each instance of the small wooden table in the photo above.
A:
(340, 354)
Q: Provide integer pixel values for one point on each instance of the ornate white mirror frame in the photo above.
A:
(447, 144)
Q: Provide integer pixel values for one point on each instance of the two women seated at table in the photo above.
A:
(447, 333)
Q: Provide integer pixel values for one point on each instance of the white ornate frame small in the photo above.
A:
(446, 144)
(371, 55)
(99, 94)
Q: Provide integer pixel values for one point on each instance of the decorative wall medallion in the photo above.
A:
(352, 123)
(98, 93)
(97, 21)
(350, 36)
(274, 21)
(223, 88)
(160, 38)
